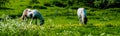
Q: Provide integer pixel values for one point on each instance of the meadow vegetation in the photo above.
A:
(61, 18)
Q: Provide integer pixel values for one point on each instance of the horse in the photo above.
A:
(82, 16)
(33, 14)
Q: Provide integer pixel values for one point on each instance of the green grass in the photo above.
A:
(61, 26)
(12, 28)
(59, 21)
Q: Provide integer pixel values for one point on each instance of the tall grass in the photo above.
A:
(59, 21)
(16, 27)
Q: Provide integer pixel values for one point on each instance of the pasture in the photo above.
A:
(59, 21)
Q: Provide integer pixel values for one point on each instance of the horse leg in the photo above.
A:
(85, 20)
(31, 21)
(26, 19)
(36, 21)
(80, 19)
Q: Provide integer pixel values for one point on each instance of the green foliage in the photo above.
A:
(59, 4)
(99, 3)
(3, 2)
(61, 18)
(9, 27)
(34, 2)
(106, 3)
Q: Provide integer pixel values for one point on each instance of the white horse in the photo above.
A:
(33, 14)
(81, 12)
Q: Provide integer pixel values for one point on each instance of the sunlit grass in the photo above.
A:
(13, 27)
(59, 21)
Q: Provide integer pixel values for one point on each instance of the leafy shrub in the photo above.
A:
(47, 4)
(75, 7)
(40, 7)
(37, 7)
(59, 4)
(34, 2)
(106, 3)
(70, 3)
(3, 2)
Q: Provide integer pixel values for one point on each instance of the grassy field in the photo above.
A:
(59, 21)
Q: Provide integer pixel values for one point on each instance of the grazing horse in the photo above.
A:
(81, 12)
(33, 14)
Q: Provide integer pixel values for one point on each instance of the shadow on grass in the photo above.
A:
(5, 8)
(37, 7)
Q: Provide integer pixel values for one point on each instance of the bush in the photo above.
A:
(106, 3)
(3, 2)
(75, 7)
(59, 4)
(37, 7)
(34, 1)
(47, 4)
